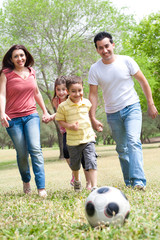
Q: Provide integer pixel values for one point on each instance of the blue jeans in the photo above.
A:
(126, 130)
(25, 134)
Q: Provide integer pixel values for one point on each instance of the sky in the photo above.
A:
(140, 8)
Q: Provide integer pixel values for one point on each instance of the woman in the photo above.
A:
(18, 96)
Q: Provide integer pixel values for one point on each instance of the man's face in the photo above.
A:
(105, 50)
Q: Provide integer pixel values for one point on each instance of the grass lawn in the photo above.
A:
(61, 215)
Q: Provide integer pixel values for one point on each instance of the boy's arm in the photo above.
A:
(70, 126)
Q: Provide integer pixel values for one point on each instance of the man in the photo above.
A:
(114, 74)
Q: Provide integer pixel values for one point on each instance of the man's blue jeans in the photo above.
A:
(25, 134)
(126, 130)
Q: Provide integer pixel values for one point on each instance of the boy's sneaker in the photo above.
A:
(72, 181)
(77, 186)
(93, 188)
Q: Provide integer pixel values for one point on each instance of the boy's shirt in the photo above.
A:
(71, 112)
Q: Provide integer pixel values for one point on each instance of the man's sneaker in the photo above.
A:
(77, 186)
(72, 181)
(42, 193)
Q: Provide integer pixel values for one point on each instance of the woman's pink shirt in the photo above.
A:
(20, 94)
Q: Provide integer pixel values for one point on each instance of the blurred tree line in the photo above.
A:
(59, 34)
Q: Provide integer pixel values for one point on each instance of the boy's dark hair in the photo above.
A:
(101, 35)
(73, 80)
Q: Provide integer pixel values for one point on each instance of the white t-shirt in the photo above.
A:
(116, 82)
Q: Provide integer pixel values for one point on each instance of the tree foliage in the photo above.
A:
(144, 45)
(59, 34)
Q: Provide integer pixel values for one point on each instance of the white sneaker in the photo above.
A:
(42, 193)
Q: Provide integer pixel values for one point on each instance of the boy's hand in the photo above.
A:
(74, 126)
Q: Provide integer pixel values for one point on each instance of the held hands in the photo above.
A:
(152, 111)
(97, 125)
(46, 117)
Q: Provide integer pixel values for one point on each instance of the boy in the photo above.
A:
(73, 115)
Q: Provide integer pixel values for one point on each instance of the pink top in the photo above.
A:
(57, 101)
(20, 94)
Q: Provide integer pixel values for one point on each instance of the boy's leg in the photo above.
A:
(86, 174)
(75, 164)
(90, 158)
(76, 175)
(93, 177)
(77, 182)
(88, 179)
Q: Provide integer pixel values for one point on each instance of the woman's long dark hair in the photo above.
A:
(7, 63)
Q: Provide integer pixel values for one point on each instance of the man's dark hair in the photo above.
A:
(101, 35)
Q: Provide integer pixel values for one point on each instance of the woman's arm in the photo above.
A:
(39, 100)
(3, 116)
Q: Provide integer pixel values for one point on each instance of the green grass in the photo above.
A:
(61, 215)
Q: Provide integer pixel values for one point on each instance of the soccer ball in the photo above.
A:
(105, 206)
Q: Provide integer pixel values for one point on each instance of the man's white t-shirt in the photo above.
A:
(116, 82)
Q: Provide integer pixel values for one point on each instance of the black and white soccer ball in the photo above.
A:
(105, 206)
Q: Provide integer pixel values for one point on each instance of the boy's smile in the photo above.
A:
(75, 92)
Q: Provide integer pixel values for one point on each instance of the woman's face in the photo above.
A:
(18, 58)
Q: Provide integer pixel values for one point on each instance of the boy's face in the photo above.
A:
(75, 92)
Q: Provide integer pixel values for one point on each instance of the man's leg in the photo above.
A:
(133, 124)
(119, 135)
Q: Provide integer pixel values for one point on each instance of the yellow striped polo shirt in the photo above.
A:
(71, 112)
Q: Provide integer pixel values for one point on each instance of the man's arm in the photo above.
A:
(93, 97)
(152, 111)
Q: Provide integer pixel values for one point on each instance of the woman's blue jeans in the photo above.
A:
(126, 130)
(25, 134)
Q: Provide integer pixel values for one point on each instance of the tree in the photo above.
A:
(150, 128)
(5, 140)
(144, 43)
(59, 34)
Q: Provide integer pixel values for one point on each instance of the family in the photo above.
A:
(75, 114)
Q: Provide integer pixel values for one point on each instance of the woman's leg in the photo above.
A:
(32, 134)
(16, 133)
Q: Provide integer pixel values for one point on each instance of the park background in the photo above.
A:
(59, 34)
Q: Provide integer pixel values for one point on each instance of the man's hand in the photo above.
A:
(97, 125)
